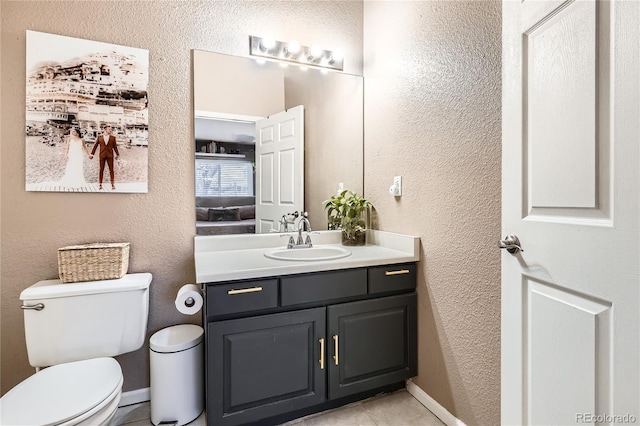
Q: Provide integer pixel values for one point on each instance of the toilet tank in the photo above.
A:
(85, 320)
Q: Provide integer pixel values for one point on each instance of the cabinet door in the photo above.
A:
(263, 366)
(371, 343)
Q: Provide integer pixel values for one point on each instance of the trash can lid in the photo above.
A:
(176, 338)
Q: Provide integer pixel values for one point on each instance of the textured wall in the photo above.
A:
(161, 224)
(432, 115)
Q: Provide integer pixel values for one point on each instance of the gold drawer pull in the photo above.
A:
(322, 354)
(335, 342)
(245, 290)
(398, 272)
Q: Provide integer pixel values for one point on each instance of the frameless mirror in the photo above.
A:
(249, 173)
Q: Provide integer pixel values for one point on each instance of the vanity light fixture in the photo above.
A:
(293, 52)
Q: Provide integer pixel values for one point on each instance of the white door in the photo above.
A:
(570, 301)
(279, 167)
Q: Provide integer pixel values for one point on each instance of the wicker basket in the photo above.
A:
(92, 262)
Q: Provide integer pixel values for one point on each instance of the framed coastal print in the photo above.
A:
(87, 116)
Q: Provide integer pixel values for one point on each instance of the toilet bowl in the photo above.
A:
(76, 393)
(74, 330)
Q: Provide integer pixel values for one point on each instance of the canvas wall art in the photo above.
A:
(87, 116)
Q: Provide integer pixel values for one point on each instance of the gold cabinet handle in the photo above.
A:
(321, 353)
(245, 290)
(398, 272)
(335, 343)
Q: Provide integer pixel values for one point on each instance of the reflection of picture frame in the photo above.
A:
(76, 88)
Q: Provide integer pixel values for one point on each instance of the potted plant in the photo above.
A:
(333, 206)
(347, 211)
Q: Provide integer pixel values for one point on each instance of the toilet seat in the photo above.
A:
(65, 394)
(99, 415)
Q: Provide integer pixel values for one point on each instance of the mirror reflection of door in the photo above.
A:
(279, 168)
(249, 171)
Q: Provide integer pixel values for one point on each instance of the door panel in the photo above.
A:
(264, 366)
(566, 112)
(287, 186)
(569, 341)
(559, 75)
(362, 354)
(271, 375)
(266, 177)
(570, 300)
(371, 344)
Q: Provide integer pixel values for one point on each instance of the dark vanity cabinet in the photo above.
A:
(281, 347)
(264, 365)
(373, 344)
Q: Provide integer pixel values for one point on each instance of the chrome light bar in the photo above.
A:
(293, 52)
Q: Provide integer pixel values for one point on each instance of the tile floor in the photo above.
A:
(396, 409)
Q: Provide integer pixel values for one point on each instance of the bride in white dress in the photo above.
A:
(74, 173)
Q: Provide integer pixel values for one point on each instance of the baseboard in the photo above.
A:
(143, 395)
(135, 397)
(432, 405)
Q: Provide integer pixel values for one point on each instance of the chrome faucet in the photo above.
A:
(287, 219)
(304, 221)
(303, 225)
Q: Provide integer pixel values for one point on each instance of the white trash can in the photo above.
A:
(177, 374)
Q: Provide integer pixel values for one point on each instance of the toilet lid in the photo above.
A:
(60, 393)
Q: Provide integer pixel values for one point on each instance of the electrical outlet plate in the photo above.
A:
(340, 186)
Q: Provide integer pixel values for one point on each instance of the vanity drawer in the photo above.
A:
(383, 279)
(242, 297)
(321, 286)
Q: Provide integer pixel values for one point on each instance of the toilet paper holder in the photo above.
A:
(189, 299)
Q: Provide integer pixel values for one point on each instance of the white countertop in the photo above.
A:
(235, 257)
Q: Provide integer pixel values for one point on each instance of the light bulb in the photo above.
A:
(293, 47)
(268, 43)
(315, 51)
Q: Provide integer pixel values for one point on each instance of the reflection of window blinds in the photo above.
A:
(223, 177)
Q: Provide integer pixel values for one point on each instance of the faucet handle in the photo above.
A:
(308, 241)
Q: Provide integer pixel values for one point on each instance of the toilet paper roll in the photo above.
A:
(189, 299)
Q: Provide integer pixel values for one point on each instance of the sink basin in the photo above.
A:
(308, 254)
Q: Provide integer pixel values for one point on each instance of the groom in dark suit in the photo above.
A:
(107, 143)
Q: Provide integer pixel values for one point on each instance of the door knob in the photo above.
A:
(511, 243)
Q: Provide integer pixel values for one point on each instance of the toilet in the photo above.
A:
(74, 330)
